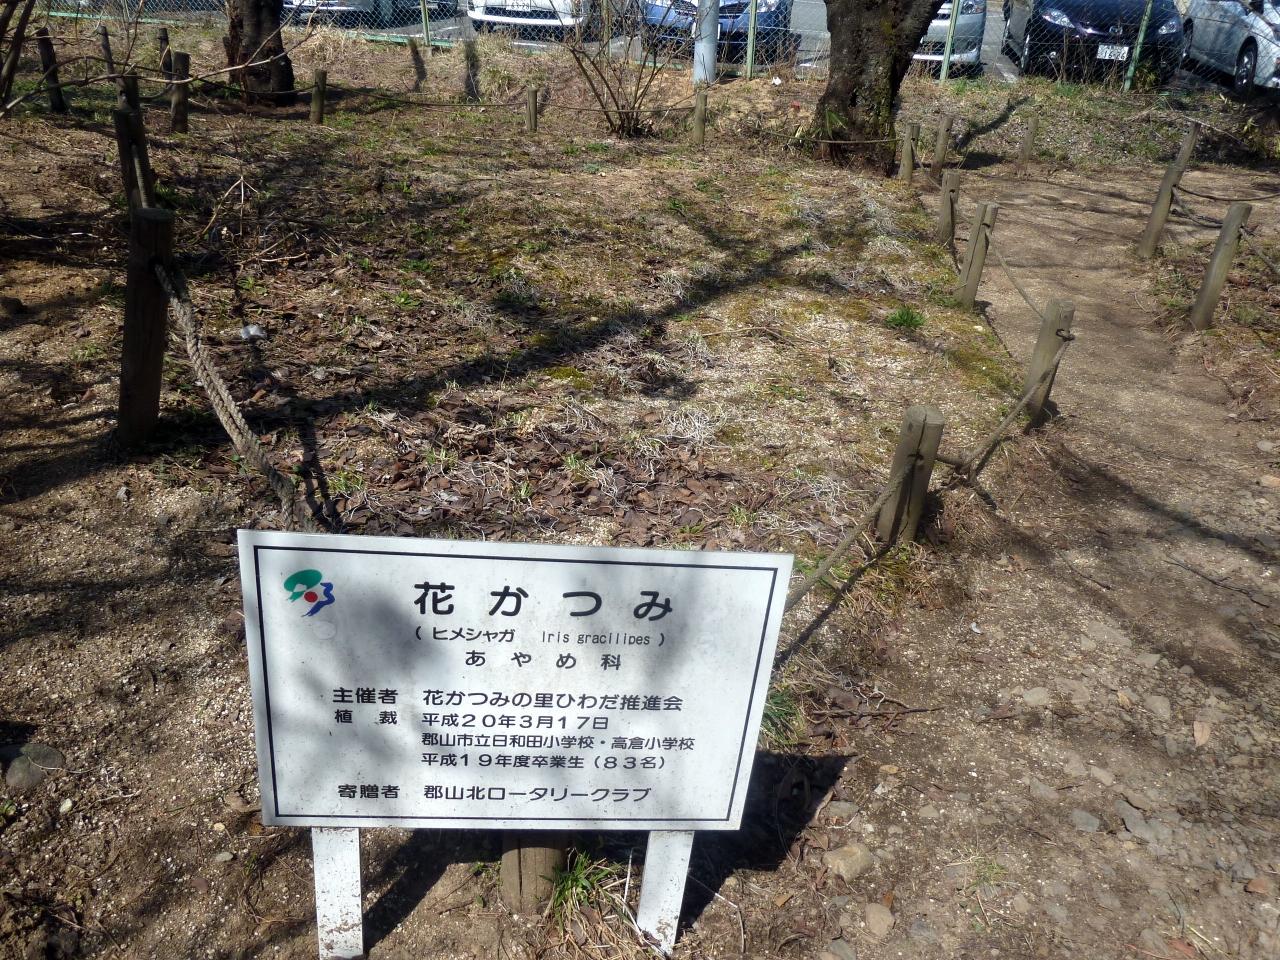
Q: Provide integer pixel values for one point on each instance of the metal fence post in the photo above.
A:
(984, 222)
(921, 434)
(945, 71)
(1058, 317)
(947, 199)
(145, 308)
(753, 15)
(1137, 47)
(704, 48)
(907, 159)
(1215, 276)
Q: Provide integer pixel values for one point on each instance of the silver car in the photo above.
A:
(966, 43)
(1239, 38)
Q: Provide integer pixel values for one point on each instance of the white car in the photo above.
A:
(556, 17)
(1239, 37)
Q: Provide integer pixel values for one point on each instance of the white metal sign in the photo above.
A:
(421, 683)
(417, 683)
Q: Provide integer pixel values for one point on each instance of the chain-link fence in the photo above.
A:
(1126, 44)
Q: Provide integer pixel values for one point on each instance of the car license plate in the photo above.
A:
(1109, 51)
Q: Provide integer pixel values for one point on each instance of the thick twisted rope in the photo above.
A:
(970, 466)
(224, 406)
(858, 529)
(1022, 292)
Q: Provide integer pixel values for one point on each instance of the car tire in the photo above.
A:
(1246, 65)
(1006, 41)
(1188, 31)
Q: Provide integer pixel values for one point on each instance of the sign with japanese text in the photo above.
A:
(422, 683)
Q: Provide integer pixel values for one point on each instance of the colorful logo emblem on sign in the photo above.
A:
(310, 585)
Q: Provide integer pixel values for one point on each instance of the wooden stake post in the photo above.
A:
(49, 68)
(984, 222)
(320, 80)
(1215, 276)
(145, 309)
(1150, 241)
(918, 442)
(941, 145)
(1054, 328)
(531, 110)
(700, 118)
(907, 161)
(1028, 143)
(947, 199)
(529, 865)
(179, 92)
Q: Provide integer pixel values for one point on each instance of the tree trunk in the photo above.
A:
(872, 42)
(253, 43)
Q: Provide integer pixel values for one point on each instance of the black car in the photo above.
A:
(1088, 37)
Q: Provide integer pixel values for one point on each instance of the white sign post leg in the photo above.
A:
(666, 866)
(335, 852)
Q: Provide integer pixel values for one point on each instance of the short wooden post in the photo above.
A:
(128, 98)
(142, 159)
(166, 55)
(318, 81)
(984, 222)
(124, 150)
(1224, 252)
(700, 118)
(1187, 148)
(145, 309)
(947, 199)
(941, 145)
(419, 65)
(1159, 216)
(335, 855)
(907, 159)
(529, 865)
(49, 69)
(104, 44)
(179, 92)
(1054, 328)
(917, 450)
(1028, 142)
(531, 110)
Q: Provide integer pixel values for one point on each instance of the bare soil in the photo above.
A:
(471, 333)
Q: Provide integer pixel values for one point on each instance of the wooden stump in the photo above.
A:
(529, 865)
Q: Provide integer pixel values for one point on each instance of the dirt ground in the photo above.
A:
(481, 335)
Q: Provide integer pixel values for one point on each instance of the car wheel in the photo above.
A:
(1006, 42)
(1245, 66)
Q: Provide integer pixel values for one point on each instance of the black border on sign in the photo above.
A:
(266, 684)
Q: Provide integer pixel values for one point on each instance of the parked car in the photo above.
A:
(366, 13)
(966, 42)
(671, 23)
(1085, 36)
(550, 17)
(1239, 38)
